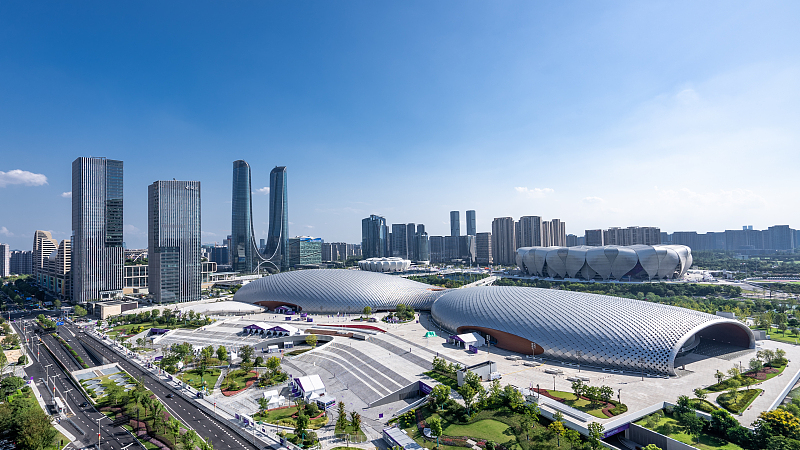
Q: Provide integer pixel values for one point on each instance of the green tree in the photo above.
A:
(341, 422)
(435, 425)
(263, 404)
(355, 421)
(367, 311)
(222, 353)
(693, 425)
(57, 303)
(700, 394)
(33, 429)
(495, 393)
(259, 361)
(651, 447)
(80, 311)
(513, 397)
(756, 364)
(174, 428)
(440, 394)
(557, 427)
(719, 376)
(273, 364)
(467, 393)
(595, 434)
(189, 439)
(311, 340)
(246, 353)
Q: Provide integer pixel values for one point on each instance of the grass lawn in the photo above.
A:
(702, 405)
(361, 437)
(283, 417)
(707, 442)
(776, 335)
(743, 400)
(192, 377)
(487, 429)
(126, 329)
(445, 380)
(595, 409)
(299, 351)
(56, 445)
(240, 377)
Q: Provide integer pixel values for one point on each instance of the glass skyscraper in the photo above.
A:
(277, 249)
(244, 252)
(455, 224)
(173, 241)
(374, 237)
(471, 228)
(97, 249)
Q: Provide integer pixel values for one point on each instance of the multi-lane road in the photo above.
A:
(115, 438)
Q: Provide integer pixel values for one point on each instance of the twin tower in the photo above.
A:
(245, 254)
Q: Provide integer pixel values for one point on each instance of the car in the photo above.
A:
(170, 395)
(84, 404)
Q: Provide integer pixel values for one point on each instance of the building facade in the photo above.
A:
(503, 244)
(594, 238)
(244, 254)
(5, 260)
(483, 249)
(278, 219)
(455, 223)
(22, 262)
(472, 228)
(173, 241)
(374, 237)
(97, 244)
(399, 242)
(305, 250)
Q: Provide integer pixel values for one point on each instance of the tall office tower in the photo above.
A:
(558, 231)
(43, 246)
(173, 241)
(278, 219)
(466, 248)
(399, 241)
(219, 255)
(504, 250)
(518, 239)
(572, 240)
(5, 260)
(471, 225)
(243, 249)
(420, 228)
(594, 238)
(304, 251)
(483, 248)
(531, 231)
(455, 224)
(423, 247)
(411, 241)
(436, 245)
(22, 262)
(374, 234)
(451, 248)
(97, 248)
(547, 235)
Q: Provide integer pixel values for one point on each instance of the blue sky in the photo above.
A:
(681, 115)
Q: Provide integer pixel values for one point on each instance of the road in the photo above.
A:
(112, 438)
(222, 437)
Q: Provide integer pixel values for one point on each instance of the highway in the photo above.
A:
(222, 437)
(112, 438)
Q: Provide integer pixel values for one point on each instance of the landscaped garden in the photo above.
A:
(196, 379)
(347, 427)
(287, 416)
(237, 381)
(22, 419)
(738, 401)
(589, 399)
(766, 365)
(675, 429)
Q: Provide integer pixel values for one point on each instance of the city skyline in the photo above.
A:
(512, 99)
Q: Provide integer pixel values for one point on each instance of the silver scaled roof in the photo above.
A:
(331, 291)
(644, 262)
(589, 329)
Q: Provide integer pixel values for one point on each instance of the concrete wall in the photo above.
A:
(643, 436)
(410, 391)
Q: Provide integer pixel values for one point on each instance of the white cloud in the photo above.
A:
(592, 200)
(67, 194)
(131, 230)
(535, 192)
(4, 231)
(263, 191)
(309, 226)
(17, 176)
(208, 234)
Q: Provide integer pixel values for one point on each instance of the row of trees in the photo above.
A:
(22, 417)
(593, 393)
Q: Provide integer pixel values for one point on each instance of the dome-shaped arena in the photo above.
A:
(610, 262)
(590, 329)
(384, 264)
(334, 291)
(593, 330)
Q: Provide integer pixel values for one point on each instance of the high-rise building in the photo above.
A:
(504, 250)
(5, 260)
(471, 224)
(423, 246)
(244, 252)
(399, 241)
(411, 241)
(304, 251)
(173, 241)
(483, 248)
(632, 236)
(547, 235)
(594, 238)
(455, 223)
(97, 245)
(530, 231)
(278, 218)
(219, 255)
(374, 236)
(452, 249)
(572, 240)
(22, 262)
(558, 233)
(466, 248)
(437, 249)
(781, 237)
(43, 246)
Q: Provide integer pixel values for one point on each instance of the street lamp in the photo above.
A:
(578, 355)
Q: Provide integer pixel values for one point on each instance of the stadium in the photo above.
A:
(610, 262)
(587, 329)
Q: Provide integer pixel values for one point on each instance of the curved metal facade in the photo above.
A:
(331, 291)
(589, 329)
(637, 262)
(384, 264)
